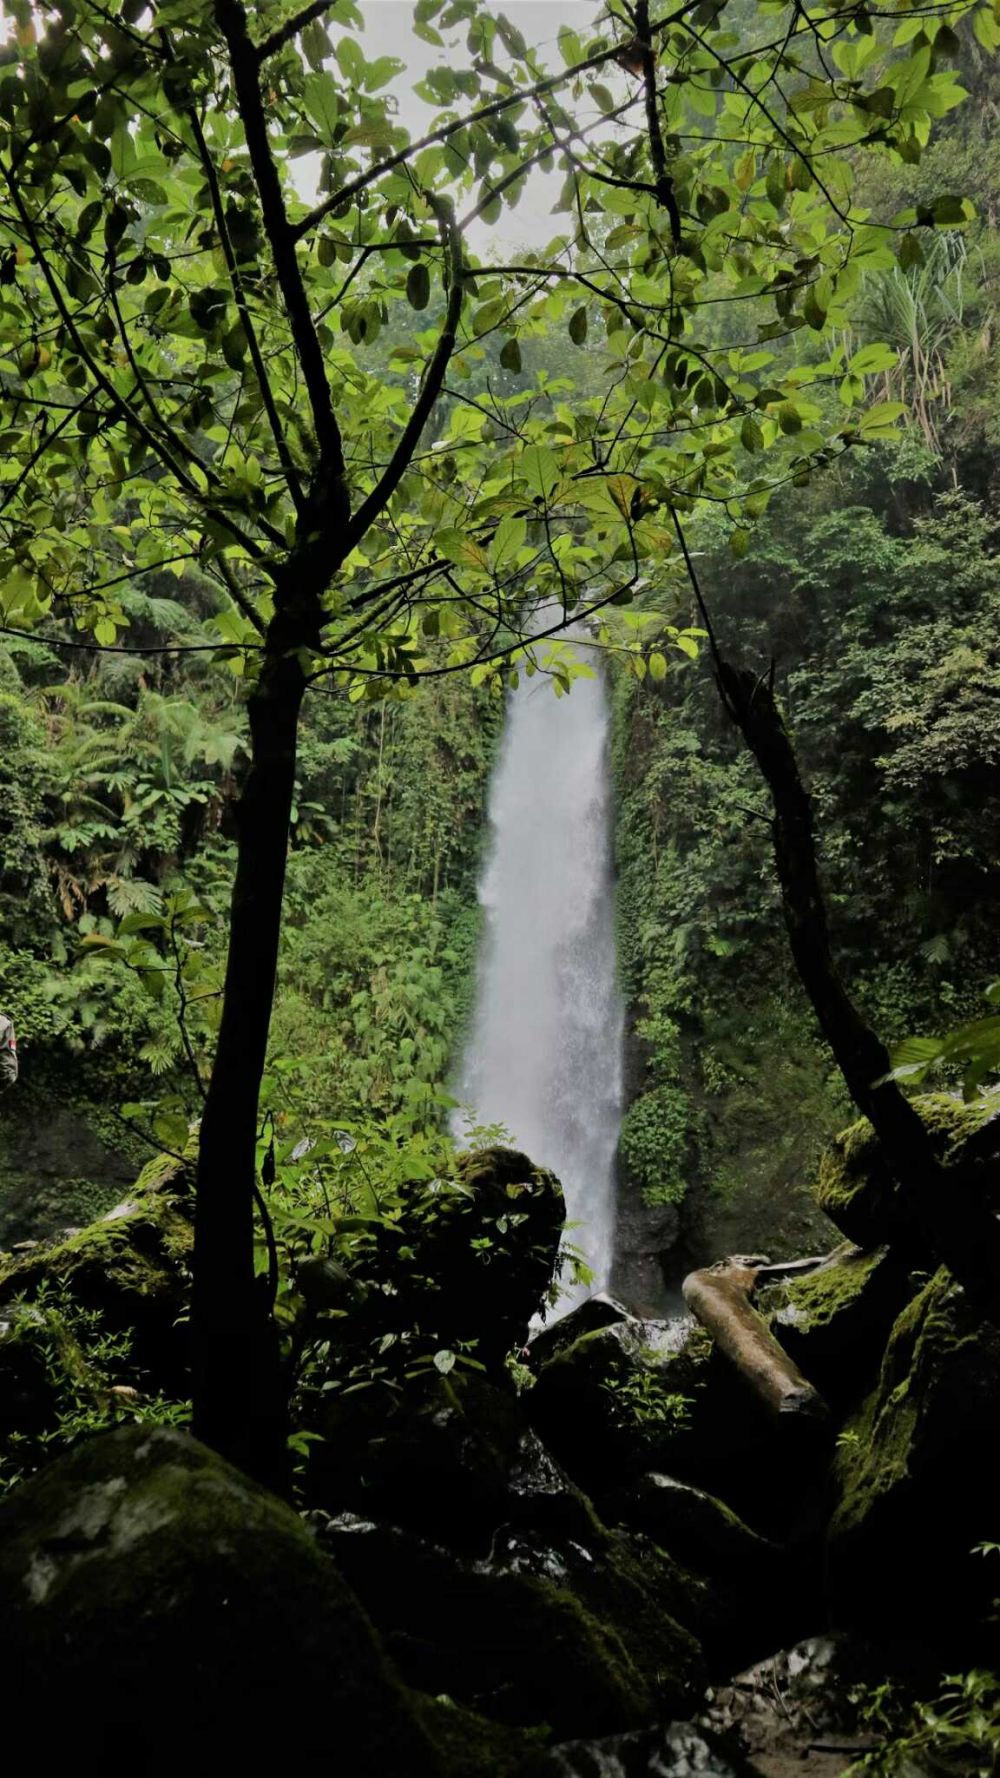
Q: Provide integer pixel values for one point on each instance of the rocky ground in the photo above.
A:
(625, 1566)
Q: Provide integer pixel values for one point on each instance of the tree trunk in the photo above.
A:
(951, 1204)
(720, 1298)
(238, 1404)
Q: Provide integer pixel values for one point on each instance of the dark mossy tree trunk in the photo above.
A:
(951, 1204)
(239, 1406)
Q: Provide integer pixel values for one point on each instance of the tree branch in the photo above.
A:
(269, 46)
(331, 506)
(289, 469)
(380, 496)
(442, 133)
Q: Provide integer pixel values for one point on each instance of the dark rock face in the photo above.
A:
(542, 1630)
(181, 1618)
(489, 1574)
(54, 1168)
(915, 1491)
(452, 1460)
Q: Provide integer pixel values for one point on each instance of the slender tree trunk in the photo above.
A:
(238, 1404)
(951, 1204)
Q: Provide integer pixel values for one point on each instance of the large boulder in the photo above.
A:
(633, 1396)
(544, 1630)
(487, 1570)
(461, 1269)
(131, 1268)
(747, 1593)
(164, 1613)
(915, 1486)
(451, 1457)
(857, 1191)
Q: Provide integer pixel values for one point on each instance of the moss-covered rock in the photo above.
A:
(570, 1633)
(834, 1321)
(178, 1617)
(916, 1488)
(747, 1593)
(857, 1191)
(132, 1266)
(464, 1266)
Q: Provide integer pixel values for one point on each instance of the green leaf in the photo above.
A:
(510, 357)
(539, 468)
(320, 99)
(578, 326)
(418, 285)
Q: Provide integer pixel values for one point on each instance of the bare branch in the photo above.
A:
(380, 496)
(269, 46)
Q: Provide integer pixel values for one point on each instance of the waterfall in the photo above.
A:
(544, 1055)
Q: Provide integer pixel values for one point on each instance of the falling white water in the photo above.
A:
(544, 1055)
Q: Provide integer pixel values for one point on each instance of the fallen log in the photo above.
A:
(719, 1296)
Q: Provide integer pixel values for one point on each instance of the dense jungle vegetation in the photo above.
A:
(301, 476)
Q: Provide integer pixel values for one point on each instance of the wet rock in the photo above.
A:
(915, 1491)
(180, 1618)
(857, 1191)
(680, 1750)
(543, 1630)
(132, 1266)
(599, 1310)
(678, 1516)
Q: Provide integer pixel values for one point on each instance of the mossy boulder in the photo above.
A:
(915, 1483)
(857, 1191)
(132, 1266)
(573, 1634)
(464, 1267)
(834, 1321)
(161, 1610)
(638, 1395)
(748, 1594)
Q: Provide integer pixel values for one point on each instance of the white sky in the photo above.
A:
(388, 32)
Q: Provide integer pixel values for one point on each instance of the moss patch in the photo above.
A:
(915, 1491)
(132, 1266)
(857, 1191)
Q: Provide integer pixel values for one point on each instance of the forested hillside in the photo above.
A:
(874, 592)
(118, 780)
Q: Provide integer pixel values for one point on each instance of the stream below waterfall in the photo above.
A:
(544, 1052)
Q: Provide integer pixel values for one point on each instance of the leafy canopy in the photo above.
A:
(200, 365)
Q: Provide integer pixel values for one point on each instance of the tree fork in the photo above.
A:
(951, 1203)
